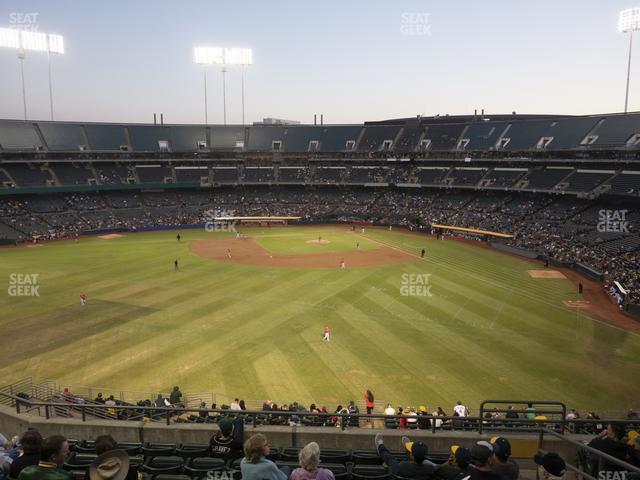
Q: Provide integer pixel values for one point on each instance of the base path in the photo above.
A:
(248, 252)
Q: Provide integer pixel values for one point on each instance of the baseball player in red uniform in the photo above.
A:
(83, 298)
(326, 331)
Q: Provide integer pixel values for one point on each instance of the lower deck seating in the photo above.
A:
(190, 461)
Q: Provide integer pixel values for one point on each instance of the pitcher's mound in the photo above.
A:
(318, 242)
(109, 236)
(545, 274)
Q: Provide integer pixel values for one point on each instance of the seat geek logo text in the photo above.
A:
(23, 285)
(415, 285)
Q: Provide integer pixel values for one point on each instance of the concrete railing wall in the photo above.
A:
(524, 445)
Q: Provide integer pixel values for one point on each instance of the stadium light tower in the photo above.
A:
(224, 56)
(25, 40)
(629, 22)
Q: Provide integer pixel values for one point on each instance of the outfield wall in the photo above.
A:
(514, 250)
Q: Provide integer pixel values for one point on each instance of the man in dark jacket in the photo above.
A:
(457, 466)
(482, 459)
(414, 468)
(31, 442)
(175, 397)
(610, 441)
(511, 413)
(503, 465)
(228, 442)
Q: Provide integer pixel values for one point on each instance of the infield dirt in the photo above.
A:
(247, 252)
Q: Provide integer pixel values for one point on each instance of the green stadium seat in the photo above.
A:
(200, 465)
(191, 450)
(132, 448)
(336, 468)
(163, 464)
(136, 460)
(86, 446)
(79, 461)
(156, 449)
(290, 454)
(366, 457)
(334, 455)
(369, 472)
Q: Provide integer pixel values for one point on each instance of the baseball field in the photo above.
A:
(244, 317)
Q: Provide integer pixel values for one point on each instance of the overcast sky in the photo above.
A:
(353, 60)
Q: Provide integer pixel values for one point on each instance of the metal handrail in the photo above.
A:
(253, 416)
(581, 446)
(562, 412)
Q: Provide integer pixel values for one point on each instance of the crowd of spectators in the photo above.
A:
(568, 230)
(28, 456)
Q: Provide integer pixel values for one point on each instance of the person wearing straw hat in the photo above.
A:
(111, 464)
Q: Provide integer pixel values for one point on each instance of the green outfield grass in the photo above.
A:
(489, 330)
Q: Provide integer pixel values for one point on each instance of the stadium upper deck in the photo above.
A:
(506, 133)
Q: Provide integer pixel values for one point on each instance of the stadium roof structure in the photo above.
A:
(461, 134)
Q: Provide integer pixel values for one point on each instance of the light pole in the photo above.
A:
(225, 57)
(629, 22)
(224, 94)
(24, 90)
(203, 58)
(55, 46)
(242, 85)
(25, 40)
(206, 108)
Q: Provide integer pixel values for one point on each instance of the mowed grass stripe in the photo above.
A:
(238, 336)
(536, 290)
(459, 357)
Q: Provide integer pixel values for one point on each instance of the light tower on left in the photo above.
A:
(24, 41)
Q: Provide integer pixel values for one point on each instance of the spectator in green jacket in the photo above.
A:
(530, 412)
(54, 451)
